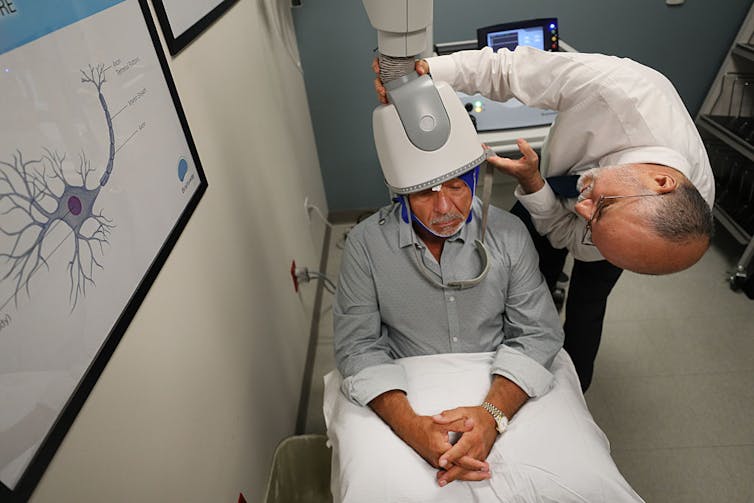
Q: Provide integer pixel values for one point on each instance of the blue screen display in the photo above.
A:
(510, 39)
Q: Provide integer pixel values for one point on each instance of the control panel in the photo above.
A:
(489, 115)
(539, 33)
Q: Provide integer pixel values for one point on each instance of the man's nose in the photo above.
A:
(442, 203)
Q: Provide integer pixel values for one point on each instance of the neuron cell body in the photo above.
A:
(36, 196)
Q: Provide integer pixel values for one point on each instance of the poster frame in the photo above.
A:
(176, 42)
(36, 468)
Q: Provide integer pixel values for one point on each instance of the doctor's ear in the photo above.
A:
(664, 183)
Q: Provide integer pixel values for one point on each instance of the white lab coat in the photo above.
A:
(610, 111)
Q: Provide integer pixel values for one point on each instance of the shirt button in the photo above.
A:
(455, 339)
(451, 299)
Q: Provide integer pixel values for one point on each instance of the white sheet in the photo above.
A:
(553, 450)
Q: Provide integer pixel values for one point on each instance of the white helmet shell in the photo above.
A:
(409, 169)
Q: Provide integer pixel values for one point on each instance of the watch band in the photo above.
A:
(501, 420)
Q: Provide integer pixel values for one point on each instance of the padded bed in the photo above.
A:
(553, 451)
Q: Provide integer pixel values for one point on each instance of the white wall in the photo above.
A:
(206, 380)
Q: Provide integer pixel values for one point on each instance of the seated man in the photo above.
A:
(404, 291)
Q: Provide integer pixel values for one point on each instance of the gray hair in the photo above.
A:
(682, 215)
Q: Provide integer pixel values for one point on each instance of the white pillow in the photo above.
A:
(553, 451)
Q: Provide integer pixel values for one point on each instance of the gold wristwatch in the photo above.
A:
(501, 421)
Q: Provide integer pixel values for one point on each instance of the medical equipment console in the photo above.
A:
(539, 33)
(489, 115)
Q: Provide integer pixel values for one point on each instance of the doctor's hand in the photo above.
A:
(525, 169)
(421, 67)
(476, 444)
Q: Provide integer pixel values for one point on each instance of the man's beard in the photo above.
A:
(450, 217)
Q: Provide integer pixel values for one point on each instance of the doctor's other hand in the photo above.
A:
(421, 67)
(524, 169)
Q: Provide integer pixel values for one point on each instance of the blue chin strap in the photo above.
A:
(470, 178)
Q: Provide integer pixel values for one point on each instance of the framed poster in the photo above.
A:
(183, 20)
(98, 177)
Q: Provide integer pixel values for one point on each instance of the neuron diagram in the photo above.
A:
(37, 195)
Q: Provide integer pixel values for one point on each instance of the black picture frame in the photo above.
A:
(178, 41)
(31, 476)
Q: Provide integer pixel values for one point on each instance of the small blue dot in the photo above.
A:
(182, 169)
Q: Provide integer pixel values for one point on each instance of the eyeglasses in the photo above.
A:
(602, 202)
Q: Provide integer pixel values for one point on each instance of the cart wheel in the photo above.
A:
(737, 282)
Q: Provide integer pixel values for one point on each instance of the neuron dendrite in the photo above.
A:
(37, 196)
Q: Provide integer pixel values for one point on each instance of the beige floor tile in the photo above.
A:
(631, 349)
(739, 462)
(716, 344)
(723, 404)
(699, 410)
(693, 475)
(651, 412)
(676, 346)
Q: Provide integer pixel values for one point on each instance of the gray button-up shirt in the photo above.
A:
(385, 309)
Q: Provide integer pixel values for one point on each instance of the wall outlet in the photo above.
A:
(299, 275)
(294, 277)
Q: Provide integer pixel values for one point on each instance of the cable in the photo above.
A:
(304, 275)
(319, 212)
(326, 282)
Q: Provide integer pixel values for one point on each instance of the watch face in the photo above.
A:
(502, 423)
(500, 426)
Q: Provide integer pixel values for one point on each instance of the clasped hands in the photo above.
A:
(464, 460)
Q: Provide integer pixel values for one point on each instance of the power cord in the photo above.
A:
(304, 275)
(316, 209)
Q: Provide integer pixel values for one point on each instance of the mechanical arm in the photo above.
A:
(423, 136)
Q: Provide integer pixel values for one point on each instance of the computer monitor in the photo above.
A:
(539, 33)
(489, 115)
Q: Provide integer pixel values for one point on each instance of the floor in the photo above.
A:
(674, 379)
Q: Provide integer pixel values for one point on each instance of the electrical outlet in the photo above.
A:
(299, 275)
(307, 210)
(294, 277)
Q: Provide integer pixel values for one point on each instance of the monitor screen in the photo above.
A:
(510, 39)
(541, 34)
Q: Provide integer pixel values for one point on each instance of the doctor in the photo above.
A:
(645, 187)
